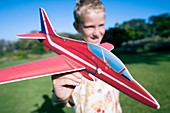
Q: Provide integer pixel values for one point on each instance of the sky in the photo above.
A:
(22, 16)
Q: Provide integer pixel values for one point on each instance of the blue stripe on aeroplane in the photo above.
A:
(42, 23)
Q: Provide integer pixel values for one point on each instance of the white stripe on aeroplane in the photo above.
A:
(24, 37)
(87, 63)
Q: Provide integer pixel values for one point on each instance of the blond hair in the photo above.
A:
(85, 6)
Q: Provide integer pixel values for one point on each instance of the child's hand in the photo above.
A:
(64, 84)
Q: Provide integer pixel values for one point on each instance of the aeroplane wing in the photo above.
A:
(37, 35)
(107, 46)
(40, 68)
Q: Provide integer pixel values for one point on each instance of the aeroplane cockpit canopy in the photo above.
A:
(110, 59)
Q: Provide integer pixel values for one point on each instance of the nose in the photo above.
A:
(96, 32)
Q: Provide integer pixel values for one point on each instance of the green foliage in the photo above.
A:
(21, 54)
(37, 48)
(6, 46)
(116, 36)
(138, 29)
(160, 24)
(73, 36)
(147, 45)
(34, 46)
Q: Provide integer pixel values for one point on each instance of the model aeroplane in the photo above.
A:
(86, 58)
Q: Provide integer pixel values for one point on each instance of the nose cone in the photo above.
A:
(142, 95)
(136, 91)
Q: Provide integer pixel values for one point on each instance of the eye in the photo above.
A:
(90, 26)
(101, 25)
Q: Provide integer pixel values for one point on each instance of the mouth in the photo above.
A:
(95, 39)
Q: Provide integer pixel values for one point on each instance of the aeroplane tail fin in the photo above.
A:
(46, 26)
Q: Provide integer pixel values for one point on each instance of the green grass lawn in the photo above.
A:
(34, 96)
(151, 70)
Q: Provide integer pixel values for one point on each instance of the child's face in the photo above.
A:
(92, 27)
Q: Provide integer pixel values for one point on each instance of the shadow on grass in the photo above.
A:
(47, 107)
(148, 58)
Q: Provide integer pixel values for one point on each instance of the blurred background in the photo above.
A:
(139, 30)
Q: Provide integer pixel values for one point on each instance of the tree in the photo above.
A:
(6, 46)
(160, 25)
(136, 28)
(116, 36)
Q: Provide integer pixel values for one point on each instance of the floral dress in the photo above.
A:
(96, 97)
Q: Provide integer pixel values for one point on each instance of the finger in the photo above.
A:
(72, 80)
(76, 74)
(77, 77)
(73, 76)
(65, 83)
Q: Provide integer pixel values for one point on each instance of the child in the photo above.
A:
(75, 90)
